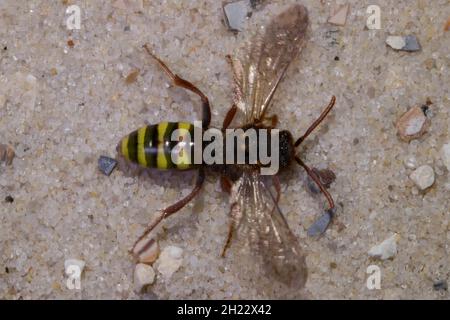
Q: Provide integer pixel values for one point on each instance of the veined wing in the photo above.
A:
(257, 220)
(272, 50)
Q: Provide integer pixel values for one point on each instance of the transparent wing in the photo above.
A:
(258, 221)
(259, 73)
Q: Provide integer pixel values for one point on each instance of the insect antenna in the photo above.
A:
(317, 122)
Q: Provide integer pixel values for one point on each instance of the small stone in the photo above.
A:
(170, 261)
(70, 43)
(132, 76)
(256, 3)
(9, 199)
(430, 63)
(386, 249)
(413, 124)
(339, 16)
(7, 154)
(21, 149)
(144, 275)
(321, 224)
(235, 14)
(440, 285)
(404, 43)
(70, 263)
(106, 165)
(423, 177)
(446, 27)
(146, 251)
(446, 155)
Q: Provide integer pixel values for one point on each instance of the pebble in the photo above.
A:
(321, 224)
(255, 3)
(423, 177)
(413, 124)
(386, 249)
(146, 251)
(339, 16)
(144, 275)
(408, 43)
(7, 154)
(440, 285)
(170, 261)
(9, 199)
(106, 165)
(235, 15)
(446, 155)
(74, 262)
(132, 76)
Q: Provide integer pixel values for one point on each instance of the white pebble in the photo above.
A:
(412, 124)
(146, 250)
(170, 261)
(70, 263)
(446, 155)
(339, 17)
(396, 42)
(143, 276)
(423, 177)
(386, 249)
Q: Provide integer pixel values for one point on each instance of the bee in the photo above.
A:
(255, 215)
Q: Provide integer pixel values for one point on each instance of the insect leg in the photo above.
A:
(317, 122)
(228, 241)
(229, 117)
(180, 82)
(316, 179)
(225, 184)
(168, 212)
(230, 232)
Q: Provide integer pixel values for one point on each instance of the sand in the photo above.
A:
(64, 101)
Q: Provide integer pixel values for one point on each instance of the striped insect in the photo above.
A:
(255, 215)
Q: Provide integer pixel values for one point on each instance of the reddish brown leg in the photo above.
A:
(180, 82)
(167, 212)
(230, 231)
(225, 184)
(317, 122)
(229, 117)
(317, 181)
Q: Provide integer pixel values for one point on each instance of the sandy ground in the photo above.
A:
(64, 102)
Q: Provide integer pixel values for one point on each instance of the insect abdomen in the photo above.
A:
(151, 146)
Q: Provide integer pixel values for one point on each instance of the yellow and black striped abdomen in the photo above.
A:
(152, 146)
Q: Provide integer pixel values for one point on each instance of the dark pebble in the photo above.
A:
(9, 199)
(321, 224)
(106, 165)
(440, 285)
